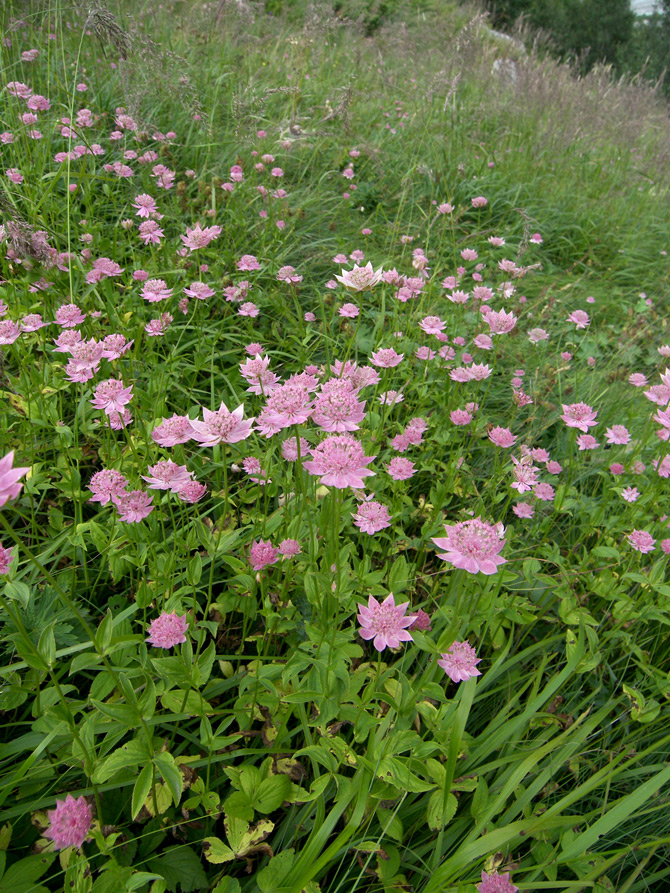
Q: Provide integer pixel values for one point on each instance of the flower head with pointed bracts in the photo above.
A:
(473, 546)
(386, 623)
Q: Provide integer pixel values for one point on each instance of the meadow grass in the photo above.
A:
(320, 576)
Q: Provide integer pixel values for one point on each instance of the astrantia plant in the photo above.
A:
(334, 530)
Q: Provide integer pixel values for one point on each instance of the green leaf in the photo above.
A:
(21, 876)
(398, 575)
(141, 879)
(171, 774)
(228, 885)
(113, 879)
(193, 703)
(439, 813)
(19, 592)
(128, 756)
(179, 866)
(216, 851)
(141, 789)
(276, 872)
(272, 793)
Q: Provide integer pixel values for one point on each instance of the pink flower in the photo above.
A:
(288, 274)
(360, 278)
(9, 331)
(580, 318)
(14, 175)
(199, 290)
(337, 408)
(641, 541)
(386, 358)
(422, 622)
(500, 322)
(494, 882)
(9, 478)
(248, 262)
(473, 546)
(479, 201)
(386, 623)
(460, 417)
(111, 396)
(69, 315)
(350, 311)
(192, 491)
(248, 308)
(167, 475)
(198, 237)
(554, 467)
(400, 469)
(340, 462)
(544, 492)
(6, 558)
(289, 404)
(630, 494)
(69, 822)
(262, 553)
(106, 484)
(579, 415)
(221, 426)
(390, 398)
(523, 510)
(155, 328)
(133, 506)
(502, 437)
(587, 442)
(151, 233)
(617, 468)
(289, 548)
(146, 206)
(617, 434)
(256, 371)
(172, 431)
(371, 517)
(537, 335)
(155, 290)
(460, 662)
(115, 345)
(167, 630)
(432, 325)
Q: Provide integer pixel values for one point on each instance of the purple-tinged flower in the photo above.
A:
(641, 541)
(386, 623)
(111, 396)
(9, 478)
(494, 882)
(132, 507)
(167, 630)
(167, 475)
(221, 426)
(371, 517)
(473, 546)
(460, 662)
(106, 484)
(6, 558)
(69, 822)
(339, 461)
(172, 431)
(262, 553)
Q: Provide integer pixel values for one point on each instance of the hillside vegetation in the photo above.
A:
(334, 456)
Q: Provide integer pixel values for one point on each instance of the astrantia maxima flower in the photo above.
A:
(579, 415)
(580, 318)
(386, 623)
(106, 484)
(432, 325)
(371, 517)
(502, 437)
(155, 290)
(6, 558)
(112, 396)
(222, 426)
(9, 478)
(172, 431)
(339, 461)
(641, 541)
(401, 469)
(494, 882)
(248, 262)
(619, 434)
(262, 554)
(69, 315)
(360, 278)
(192, 491)
(386, 358)
(587, 442)
(167, 475)
(115, 345)
(500, 322)
(69, 822)
(472, 545)
(337, 407)
(9, 331)
(460, 662)
(289, 404)
(133, 506)
(167, 630)
(199, 290)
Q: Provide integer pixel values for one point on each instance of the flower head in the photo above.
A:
(386, 623)
(262, 553)
(167, 630)
(641, 541)
(106, 484)
(579, 415)
(460, 662)
(473, 546)
(133, 506)
(222, 426)
(340, 462)
(494, 882)
(371, 517)
(173, 431)
(69, 822)
(360, 278)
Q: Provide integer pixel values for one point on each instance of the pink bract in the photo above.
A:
(222, 426)
(339, 461)
(386, 623)
(460, 662)
(9, 478)
(167, 630)
(473, 546)
(69, 822)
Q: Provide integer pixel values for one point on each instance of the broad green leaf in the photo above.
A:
(272, 793)
(171, 774)
(216, 851)
(179, 865)
(141, 789)
(439, 813)
(128, 756)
